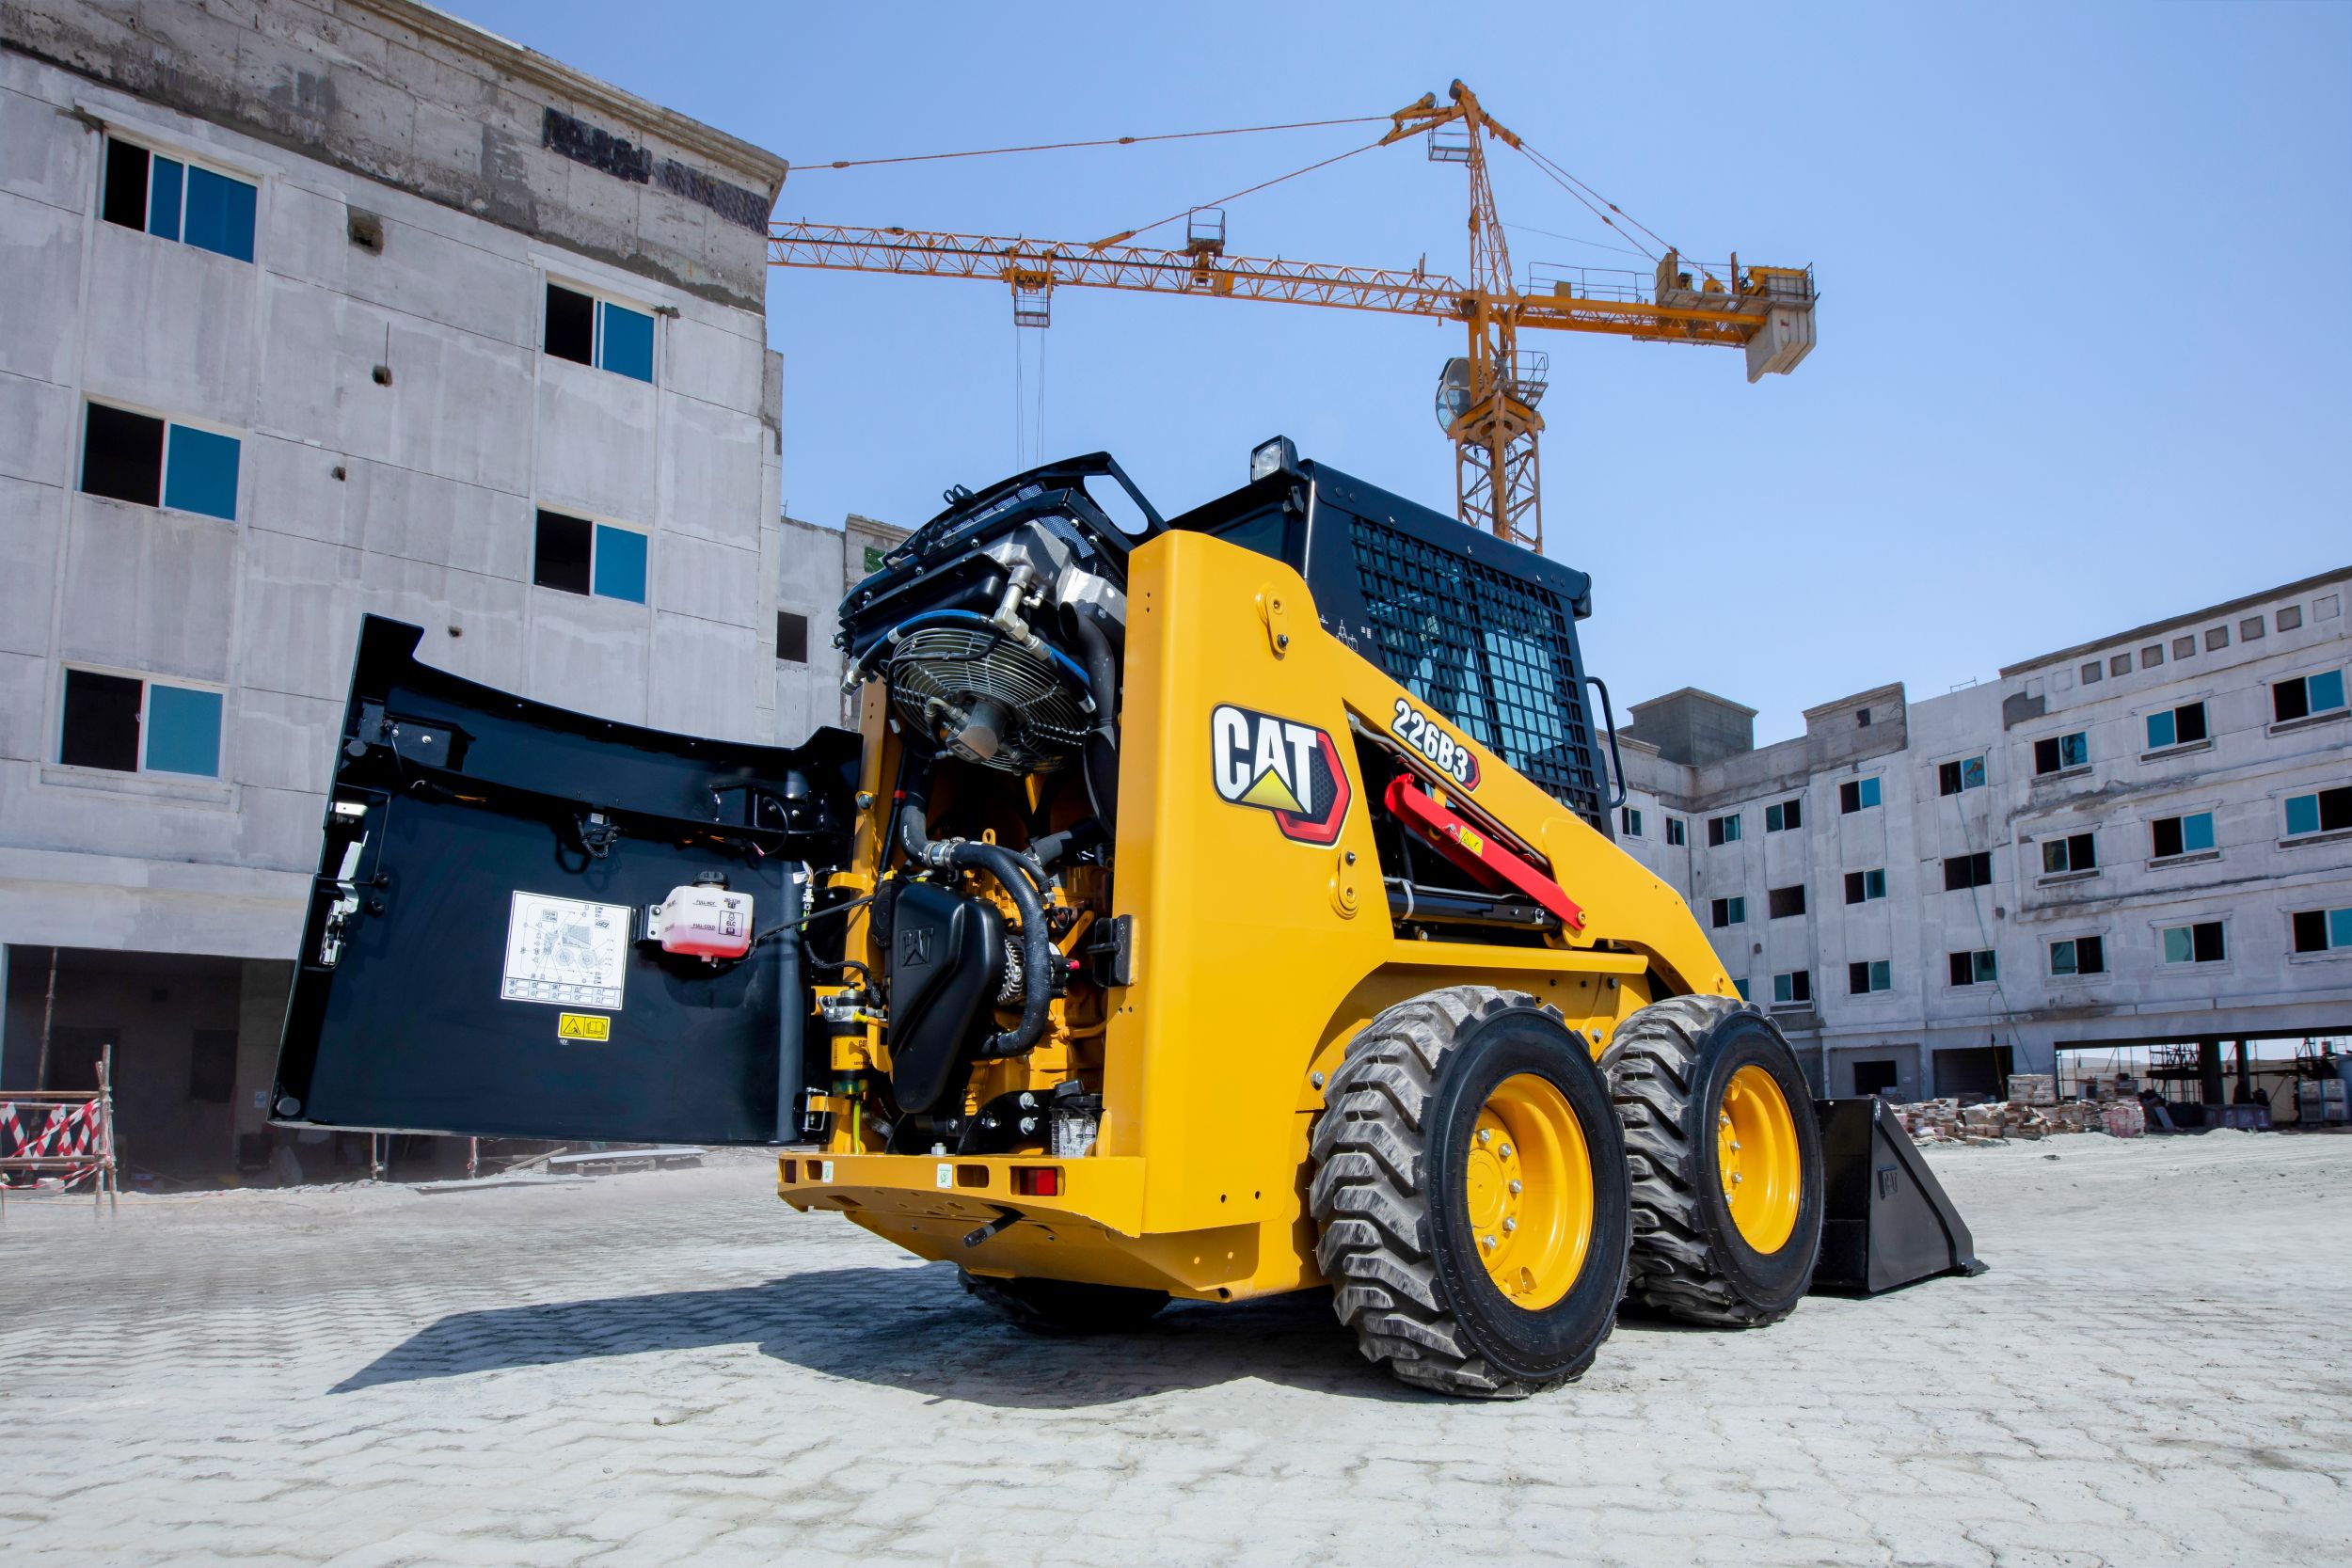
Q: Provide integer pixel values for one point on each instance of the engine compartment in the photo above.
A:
(994, 639)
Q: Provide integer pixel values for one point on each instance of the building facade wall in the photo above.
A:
(379, 364)
(2256, 875)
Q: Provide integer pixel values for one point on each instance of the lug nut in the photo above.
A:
(1487, 1242)
(1510, 1224)
(1514, 1187)
(1737, 1179)
(1486, 1135)
(1506, 1152)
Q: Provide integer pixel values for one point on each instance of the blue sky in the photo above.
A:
(2083, 343)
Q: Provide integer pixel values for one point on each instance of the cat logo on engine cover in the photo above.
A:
(1279, 766)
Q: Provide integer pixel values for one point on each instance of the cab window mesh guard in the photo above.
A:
(1488, 651)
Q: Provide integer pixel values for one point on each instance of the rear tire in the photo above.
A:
(1063, 1308)
(1680, 1071)
(1418, 1172)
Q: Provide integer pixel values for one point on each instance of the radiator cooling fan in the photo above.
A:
(987, 699)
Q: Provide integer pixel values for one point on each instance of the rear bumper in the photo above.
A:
(1106, 1191)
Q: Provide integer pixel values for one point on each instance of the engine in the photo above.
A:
(996, 631)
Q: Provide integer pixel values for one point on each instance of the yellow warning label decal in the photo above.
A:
(582, 1026)
(1470, 840)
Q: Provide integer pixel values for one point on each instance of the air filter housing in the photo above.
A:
(987, 699)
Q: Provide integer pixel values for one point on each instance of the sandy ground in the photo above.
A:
(656, 1367)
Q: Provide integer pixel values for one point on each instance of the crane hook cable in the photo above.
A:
(1104, 141)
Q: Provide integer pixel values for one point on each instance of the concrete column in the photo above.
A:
(2245, 1094)
(2209, 1070)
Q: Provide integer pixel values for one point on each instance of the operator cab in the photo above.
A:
(1480, 630)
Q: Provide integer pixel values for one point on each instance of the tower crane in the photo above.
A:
(1488, 399)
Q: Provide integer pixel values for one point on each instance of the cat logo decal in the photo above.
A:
(1279, 766)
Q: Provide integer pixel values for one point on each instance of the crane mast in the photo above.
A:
(1486, 399)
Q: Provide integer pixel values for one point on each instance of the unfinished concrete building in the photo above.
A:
(323, 308)
(2143, 840)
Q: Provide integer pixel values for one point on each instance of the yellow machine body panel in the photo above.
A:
(1262, 942)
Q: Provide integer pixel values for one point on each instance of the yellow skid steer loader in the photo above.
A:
(1204, 909)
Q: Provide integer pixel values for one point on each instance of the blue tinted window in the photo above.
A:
(620, 564)
(2327, 691)
(219, 213)
(182, 730)
(2160, 730)
(2302, 814)
(2196, 832)
(163, 198)
(627, 346)
(2340, 928)
(200, 472)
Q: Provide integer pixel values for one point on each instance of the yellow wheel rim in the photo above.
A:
(1757, 1157)
(1529, 1180)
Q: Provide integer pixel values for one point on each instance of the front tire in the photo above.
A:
(1724, 1154)
(1471, 1194)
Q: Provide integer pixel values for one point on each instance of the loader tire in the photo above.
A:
(1064, 1308)
(1452, 1114)
(1712, 1099)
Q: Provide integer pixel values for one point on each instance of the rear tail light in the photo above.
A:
(1037, 1181)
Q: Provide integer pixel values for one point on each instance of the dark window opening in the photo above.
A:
(123, 455)
(125, 199)
(2075, 852)
(1792, 989)
(212, 1066)
(562, 559)
(571, 327)
(2335, 809)
(791, 637)
(1786, 902)
(1967, 871)
(101, 721)
(1784, 815)
(1875, 1078)
(1973, 969)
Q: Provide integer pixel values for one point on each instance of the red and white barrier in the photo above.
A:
(62, 1136)
(65, 1131)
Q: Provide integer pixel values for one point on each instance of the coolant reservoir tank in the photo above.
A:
(703, 922)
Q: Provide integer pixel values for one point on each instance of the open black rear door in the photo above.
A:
(477, 955)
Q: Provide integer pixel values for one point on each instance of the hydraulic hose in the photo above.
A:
(1013, 872)
(1036, 943)
(855, 676)
(1101, 760)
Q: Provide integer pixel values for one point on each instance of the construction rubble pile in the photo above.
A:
(2032, 1111)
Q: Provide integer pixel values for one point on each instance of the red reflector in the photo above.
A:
(1037, 1181)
